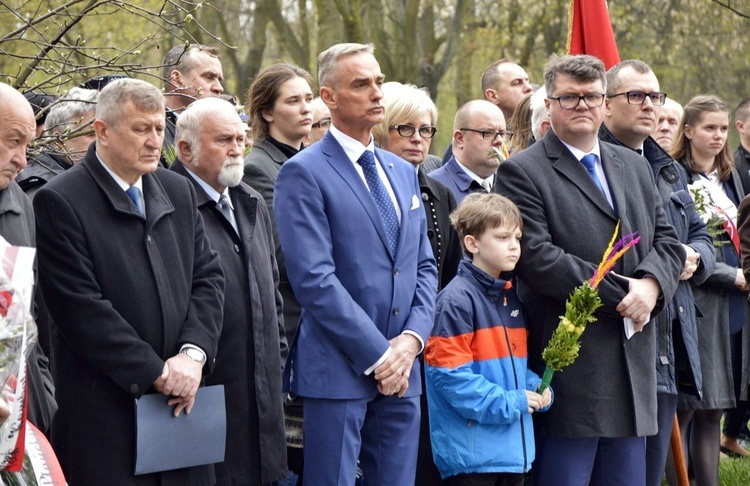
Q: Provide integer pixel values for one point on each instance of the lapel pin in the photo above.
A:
(390, 165)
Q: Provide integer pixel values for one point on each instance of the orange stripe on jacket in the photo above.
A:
(480, 345)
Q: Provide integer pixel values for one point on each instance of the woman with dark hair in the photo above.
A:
(280, 115)
(701, 146)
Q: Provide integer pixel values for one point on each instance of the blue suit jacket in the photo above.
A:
(354, 295)
(457, 180)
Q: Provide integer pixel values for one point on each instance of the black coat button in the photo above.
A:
(395, 311)
(236, 248)
(135, 389)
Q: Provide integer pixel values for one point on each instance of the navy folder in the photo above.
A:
(165, 442)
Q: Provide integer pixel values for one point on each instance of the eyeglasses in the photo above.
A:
(490, 135)
(639, 97)
(322, 123)
(571, 101)
(408, 130)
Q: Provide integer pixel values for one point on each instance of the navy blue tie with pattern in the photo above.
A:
(382, 199)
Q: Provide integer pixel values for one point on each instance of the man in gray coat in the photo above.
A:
(210, 141)
(606, 401)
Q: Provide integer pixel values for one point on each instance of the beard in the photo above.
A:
(231, 172)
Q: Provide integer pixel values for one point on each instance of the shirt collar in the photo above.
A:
(352, 148)
(578, 153)
(119, 180)
(473, 175)
(210, 191)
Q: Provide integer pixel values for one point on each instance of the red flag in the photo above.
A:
(590, 31)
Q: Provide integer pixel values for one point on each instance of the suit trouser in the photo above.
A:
(382, 432)
(595, 462)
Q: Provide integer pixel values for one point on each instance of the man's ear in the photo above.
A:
(176, 79)
(458, 138)
(185, 152)
(490, 95)
(102, 130)
(328, 95)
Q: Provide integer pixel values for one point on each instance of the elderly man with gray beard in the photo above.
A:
(210, 143)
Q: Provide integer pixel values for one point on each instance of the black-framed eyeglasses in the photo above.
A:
(490, 135)
(639, 97)
(571, 101)
(322, 123)
(426, 131)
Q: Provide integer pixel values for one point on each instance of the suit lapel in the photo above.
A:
(338, 160)
(245, 212)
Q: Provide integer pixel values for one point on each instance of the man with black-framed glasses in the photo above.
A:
(572, 190)
(478, 131)
(631, 116)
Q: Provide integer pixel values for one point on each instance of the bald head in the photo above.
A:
(17, 130)
(478, 131)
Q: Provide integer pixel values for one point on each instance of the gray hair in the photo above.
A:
(71, 109)
(145, 96)
(189, 123)
(181, 58)
(613, 75)
(582, 68)
(539, 111)
(327, 75)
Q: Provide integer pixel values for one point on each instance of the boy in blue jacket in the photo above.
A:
(480, 393)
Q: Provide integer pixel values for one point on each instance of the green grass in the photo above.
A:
(734, 472)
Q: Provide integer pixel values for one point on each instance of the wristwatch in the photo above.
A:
(194, 354)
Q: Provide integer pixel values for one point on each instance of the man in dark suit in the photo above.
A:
(133, 288)
(478, 132)
(353, 233)
(210, 142)
(605, 402)
(632, 107)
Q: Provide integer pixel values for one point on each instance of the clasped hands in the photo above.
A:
(393, 374)
(179, 380)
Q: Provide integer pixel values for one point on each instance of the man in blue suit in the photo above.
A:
(353, 234)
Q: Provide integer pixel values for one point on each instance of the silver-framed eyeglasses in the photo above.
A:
(490, 135)
(639, 97)
(571, 101)
(322, 123)
(425, 131)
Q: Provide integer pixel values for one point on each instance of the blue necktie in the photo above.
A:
(134, 195)
(382, 199)
(589, 161)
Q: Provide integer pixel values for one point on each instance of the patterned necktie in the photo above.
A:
(226, 210)
(589, 161)
(382, 199)
(135, 196)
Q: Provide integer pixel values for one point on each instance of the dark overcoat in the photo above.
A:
(262, 166)
(124, 292)
(252, 346)
(610, 390)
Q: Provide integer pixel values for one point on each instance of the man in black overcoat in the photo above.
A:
(133, 288)
(210, 142)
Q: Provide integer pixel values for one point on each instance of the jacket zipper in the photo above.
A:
(515, 379)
